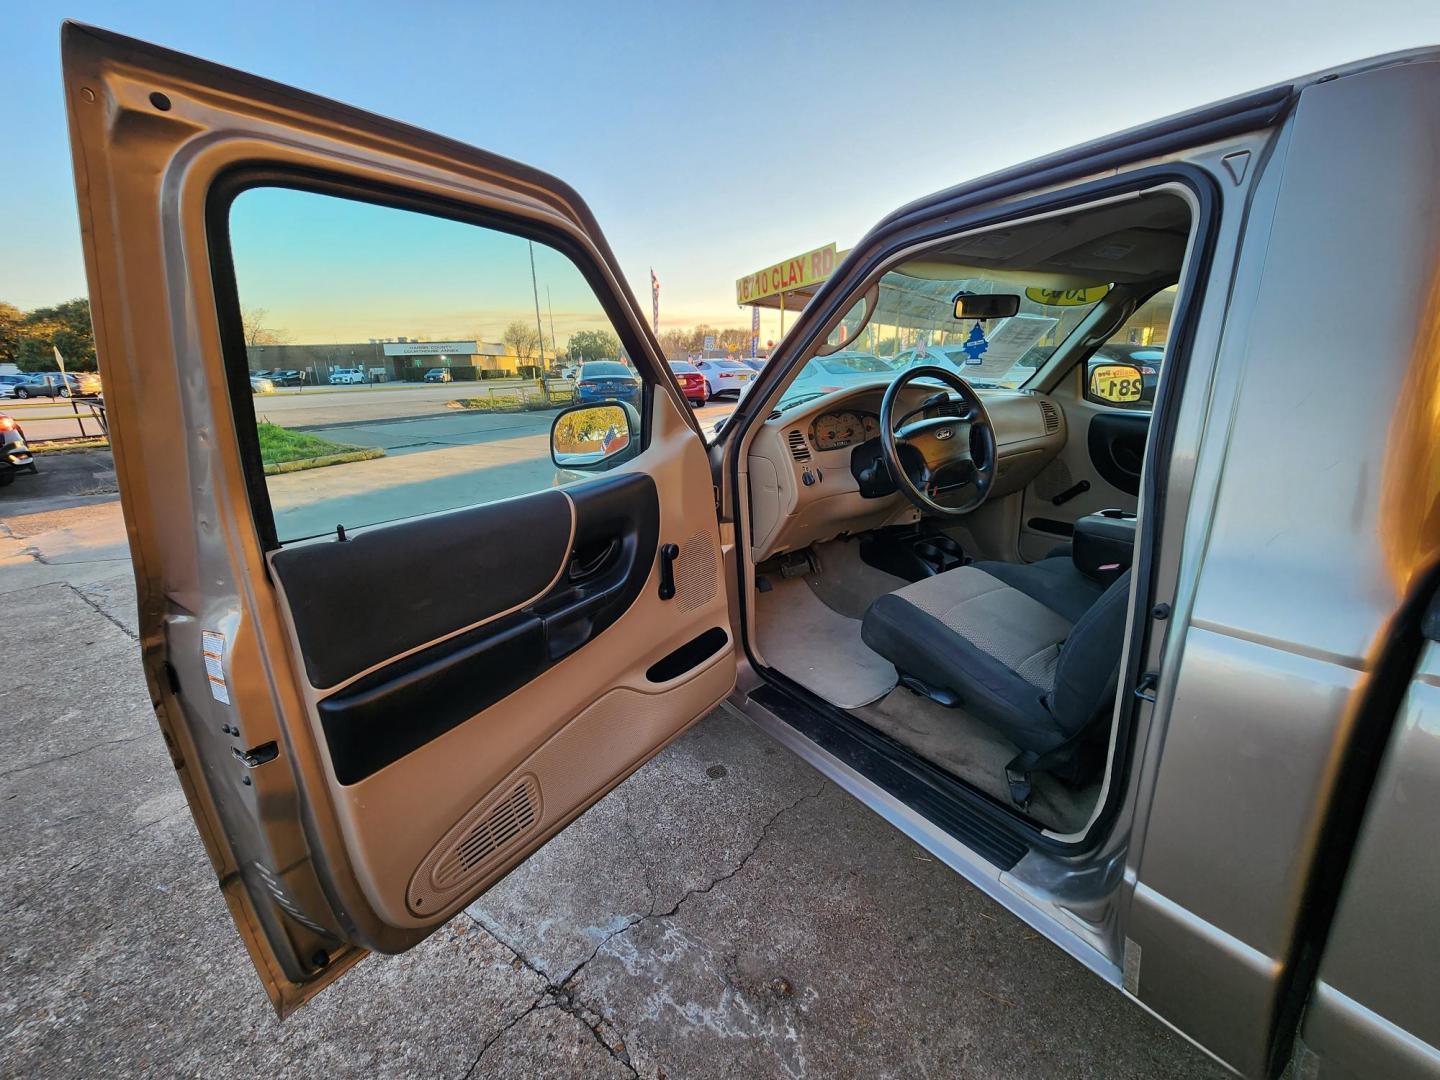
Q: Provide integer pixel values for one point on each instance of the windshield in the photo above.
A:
(915, 325)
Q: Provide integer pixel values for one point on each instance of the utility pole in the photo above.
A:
(549, 307)
(539, 329)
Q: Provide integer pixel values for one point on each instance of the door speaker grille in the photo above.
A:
(697, 573)
(478, 843)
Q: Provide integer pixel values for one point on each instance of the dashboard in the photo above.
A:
(802, 463)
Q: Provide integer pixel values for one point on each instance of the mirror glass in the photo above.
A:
(986, 305)
(1117, 383)
(589, 434)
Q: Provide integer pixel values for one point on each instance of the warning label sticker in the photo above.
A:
(212, 646)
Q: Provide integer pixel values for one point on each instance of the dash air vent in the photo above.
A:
(1052, 417)
(799, 448)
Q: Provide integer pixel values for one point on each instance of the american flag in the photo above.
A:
(655, 300)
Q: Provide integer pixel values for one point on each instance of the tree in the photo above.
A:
(593, 345)
(11, 332)
(523, 341)
(65, 327)
(253, 320)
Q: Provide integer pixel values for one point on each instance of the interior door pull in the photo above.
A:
(668, 554)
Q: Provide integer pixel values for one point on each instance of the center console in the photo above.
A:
(1104, 544)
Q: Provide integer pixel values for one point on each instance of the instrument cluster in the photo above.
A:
(837, 430)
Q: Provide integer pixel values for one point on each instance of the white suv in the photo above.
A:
(346, 376)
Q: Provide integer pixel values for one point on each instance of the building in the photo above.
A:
(399, 360)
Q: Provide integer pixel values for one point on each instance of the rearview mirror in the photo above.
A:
(986, 305)
(1121, 384)
(594, 437)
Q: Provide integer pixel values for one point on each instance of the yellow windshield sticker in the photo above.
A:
(1119, 383)
(1066, 297)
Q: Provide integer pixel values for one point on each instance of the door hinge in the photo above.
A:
(1145, 688)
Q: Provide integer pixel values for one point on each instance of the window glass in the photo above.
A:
(1124, 372)
(402, 364)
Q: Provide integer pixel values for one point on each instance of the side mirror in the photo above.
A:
(594, 437)
(1120, 384)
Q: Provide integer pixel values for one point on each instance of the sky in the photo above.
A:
(709, 143)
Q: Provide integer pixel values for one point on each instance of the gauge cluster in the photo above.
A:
(837, 430)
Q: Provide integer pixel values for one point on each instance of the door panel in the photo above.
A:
(1116, 442)
(372, 725)
(1097, 469)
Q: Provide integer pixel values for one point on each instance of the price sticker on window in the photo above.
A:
(1118, 383)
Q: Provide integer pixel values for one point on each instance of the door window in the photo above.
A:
(401, 364)
(1124, 372)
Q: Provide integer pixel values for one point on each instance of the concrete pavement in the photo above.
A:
(724, 912)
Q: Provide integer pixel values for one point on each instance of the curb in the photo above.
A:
(320, 462)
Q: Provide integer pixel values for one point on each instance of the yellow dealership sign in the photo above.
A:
(1120, 383)
(1067, 297)
(800, 272)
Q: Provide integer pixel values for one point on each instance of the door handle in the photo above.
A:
(591, 566)
(668, 554)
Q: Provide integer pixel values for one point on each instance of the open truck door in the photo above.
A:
(375, 722)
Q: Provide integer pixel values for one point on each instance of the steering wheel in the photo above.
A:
(945, 465)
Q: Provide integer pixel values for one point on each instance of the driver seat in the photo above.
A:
(1032, 649)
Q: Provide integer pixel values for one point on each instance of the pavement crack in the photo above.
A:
(560, 996)
(74, 753)
(563, 994)
(759, 842)
(532, 1007)
(102, 612)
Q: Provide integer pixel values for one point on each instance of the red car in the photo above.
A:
(691, 380)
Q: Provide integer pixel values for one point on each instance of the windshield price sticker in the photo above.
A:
(1119, 383)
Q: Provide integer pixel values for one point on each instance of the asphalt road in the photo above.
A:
(724, 912)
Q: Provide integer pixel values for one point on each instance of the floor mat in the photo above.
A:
(818, 647)
(975, 752)
(846, 583)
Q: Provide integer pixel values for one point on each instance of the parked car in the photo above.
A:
(261, 384)
(1195, 748)
(286, 377)
(52, 384)
(14, 453)
(604, 380)
(438, 374)
(8, 383)
(346, 376)
(691, 380)
(724, 376)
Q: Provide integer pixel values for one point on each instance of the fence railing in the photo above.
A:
(58, 419)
